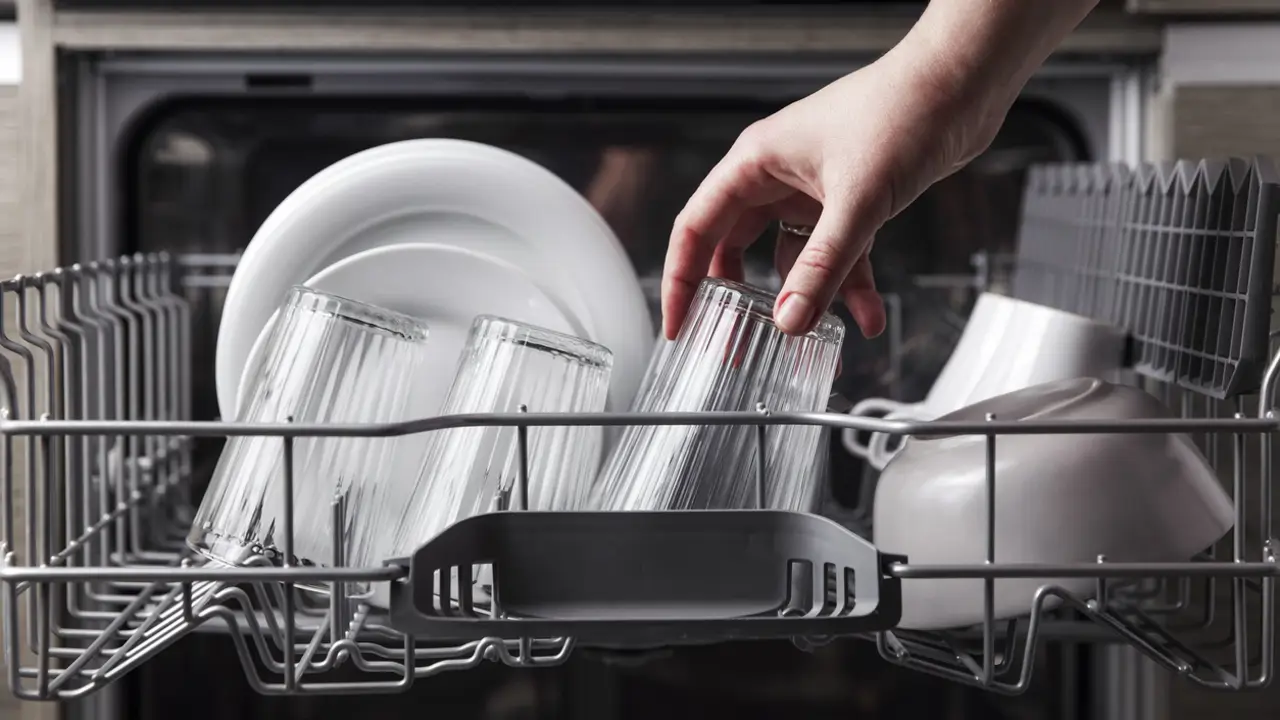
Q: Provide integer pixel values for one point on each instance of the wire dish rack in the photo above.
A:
(99, 469)
(97, 466)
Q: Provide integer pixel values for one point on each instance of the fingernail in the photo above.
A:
(868, 312)
(795, 313)
(868, 324)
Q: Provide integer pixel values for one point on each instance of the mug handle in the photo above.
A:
(868, 407)
(879, 452)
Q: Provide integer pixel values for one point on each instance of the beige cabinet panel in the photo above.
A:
(11, 248)
(1213, 121)
(1204, 7)
(12, 254)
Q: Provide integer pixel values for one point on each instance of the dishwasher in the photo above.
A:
(172, 177)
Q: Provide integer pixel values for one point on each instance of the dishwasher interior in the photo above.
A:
(109, 504)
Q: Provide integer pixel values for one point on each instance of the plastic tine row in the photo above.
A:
(1181, 255)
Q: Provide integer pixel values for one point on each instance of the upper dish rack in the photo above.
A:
(98, 465)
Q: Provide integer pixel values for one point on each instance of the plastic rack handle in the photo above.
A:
(639, 579)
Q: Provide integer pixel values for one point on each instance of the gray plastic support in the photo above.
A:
(641, 579)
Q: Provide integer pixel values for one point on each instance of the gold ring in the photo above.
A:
(803, 231)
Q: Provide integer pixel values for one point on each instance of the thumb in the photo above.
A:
(838, 240)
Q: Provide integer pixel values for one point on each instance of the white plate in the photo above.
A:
(442, 191)
(447, 287)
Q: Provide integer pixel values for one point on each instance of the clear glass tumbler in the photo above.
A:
(729, 356)
(509, 367)
(328, 360)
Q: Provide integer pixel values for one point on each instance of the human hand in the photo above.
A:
(842, 161)
(846, 159)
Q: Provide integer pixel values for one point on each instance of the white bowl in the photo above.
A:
(1007, 344)
(1059, 499)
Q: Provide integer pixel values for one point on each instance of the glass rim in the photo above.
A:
(759, 305)
(536, 337)
(372, 317)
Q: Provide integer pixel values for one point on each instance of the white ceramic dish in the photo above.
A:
(1008, 344)
(443, 191)
(1059, 499)
(446, 287)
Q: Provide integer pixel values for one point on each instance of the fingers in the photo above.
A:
(785, 252)
(694, 238)
(737, 186)
(841, 237)
(727, 262)
(711, 213)
(799, 209)
(863, 300)
(857, 289)
(815, 276)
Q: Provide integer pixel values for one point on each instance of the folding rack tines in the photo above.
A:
(1181, 255)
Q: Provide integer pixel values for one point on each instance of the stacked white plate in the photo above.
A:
(443, 230)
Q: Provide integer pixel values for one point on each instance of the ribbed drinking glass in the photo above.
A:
(328, 360)
(728, 356)
(509, 367)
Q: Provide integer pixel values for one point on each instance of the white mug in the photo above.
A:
(1007, 345)
(993, 319)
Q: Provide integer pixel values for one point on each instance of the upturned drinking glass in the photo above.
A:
(508, 367)
(328, 360)
(728, 356)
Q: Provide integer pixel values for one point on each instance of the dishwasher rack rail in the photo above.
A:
(100, 464)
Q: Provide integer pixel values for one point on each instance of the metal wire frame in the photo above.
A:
(1210, 620)
(111, 341)
(103, 454)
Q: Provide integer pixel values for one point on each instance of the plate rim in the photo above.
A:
(609, 271)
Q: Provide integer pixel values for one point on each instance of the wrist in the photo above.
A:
(990, 47)
(969, 59)
(957, 104)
